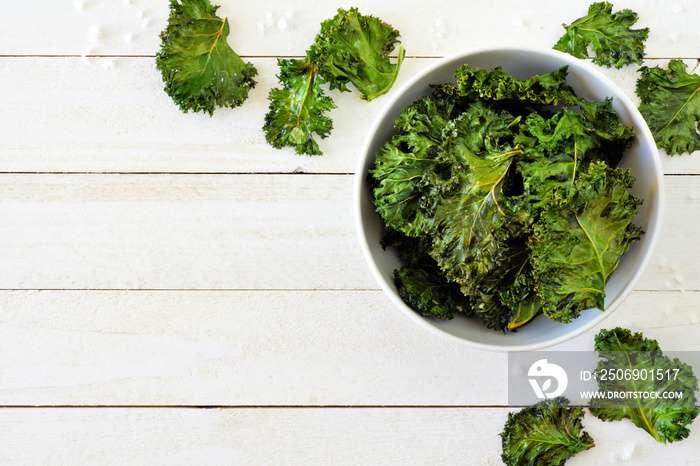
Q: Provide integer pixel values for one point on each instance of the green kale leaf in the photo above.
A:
(505, 298)
(419, 281)
(580, 238)
(297, 110)
(518, 293)
(564, 145)
(613, 41)
(355, 48)
(200, 70)
(427, 291)
(408, 164)
(473, 217)
(670, 104)
(547, 88)
(403, 187)
(664, 418)
(350, 48)
(593, 132)
(547, 433)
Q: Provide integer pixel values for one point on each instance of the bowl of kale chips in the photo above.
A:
(509, 198)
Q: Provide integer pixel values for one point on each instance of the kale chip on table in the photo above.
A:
(670, 104)
(651, 385)
(351, 48)
(200, 70)
(547, 433)
(609, 35)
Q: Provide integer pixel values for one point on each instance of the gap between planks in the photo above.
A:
(224, 407)
(241, 173)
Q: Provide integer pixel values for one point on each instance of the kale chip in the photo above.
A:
(350, 48)
(547, 433)
(670, 104)
(665, 418)
(200, 70)
(609, 34)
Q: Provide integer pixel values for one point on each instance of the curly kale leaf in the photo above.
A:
(401, 187)
(562, 146)
(200, 70)
(355, 48)
(594, 132)
(670, 104)
(447, 160)
(297, 110)
(664, 418)
(428, 116)
(608, 134)
(518, 293)
(497, 85)
(420, 282)
(505, 298)
(408, 164)
(613, 41)
(547, 433)
(350, 48)
(427, 291)
(473, 217)
(580, 238)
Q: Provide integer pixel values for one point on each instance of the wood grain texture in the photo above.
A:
(139, 231)
(111, 114)
(230, 348)
(297, 436)
(179, 232)
(261, 348)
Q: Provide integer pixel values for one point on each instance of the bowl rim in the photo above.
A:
(655, 217)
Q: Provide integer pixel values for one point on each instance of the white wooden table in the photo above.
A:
(175, 291)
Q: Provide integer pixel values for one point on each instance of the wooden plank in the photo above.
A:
(112, 115)
(257, 348)
(298, 436)
(179, 232)
(673, 266)
(272, 28)
(115, 231)
(229, 348)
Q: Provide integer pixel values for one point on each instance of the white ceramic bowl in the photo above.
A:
(642, 158)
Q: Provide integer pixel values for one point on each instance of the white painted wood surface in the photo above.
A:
(295, 436)
(153, 263)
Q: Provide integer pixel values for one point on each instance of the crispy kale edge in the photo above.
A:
(298, 109)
